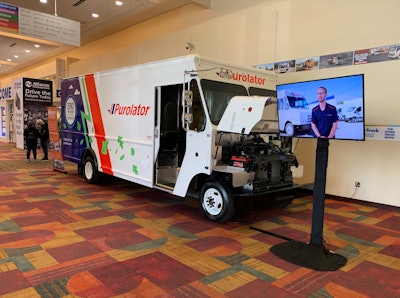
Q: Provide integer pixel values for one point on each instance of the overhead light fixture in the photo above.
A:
(119, 3)
(27, 51)
(95, 15)
(16, 56)
(37, 46)
(43, 1)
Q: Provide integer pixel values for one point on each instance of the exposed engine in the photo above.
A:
(269, 164)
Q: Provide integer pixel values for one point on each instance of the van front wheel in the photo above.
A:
(289, 129)
(217, 201)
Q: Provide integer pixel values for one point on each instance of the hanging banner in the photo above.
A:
(8, 18)
(49, 27)
(55, 141)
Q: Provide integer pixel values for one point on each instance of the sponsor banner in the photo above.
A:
(31, 97)
(383, 132)
(38, 90)
(8, 18)
(5, 93)
(3, 128)
(55, 141)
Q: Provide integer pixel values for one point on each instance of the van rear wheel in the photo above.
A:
(90, 172)
(217, 201)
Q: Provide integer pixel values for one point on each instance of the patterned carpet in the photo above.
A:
(61, 237)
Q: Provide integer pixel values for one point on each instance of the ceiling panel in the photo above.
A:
(112, 19)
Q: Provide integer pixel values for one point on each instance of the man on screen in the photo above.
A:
(324, 118)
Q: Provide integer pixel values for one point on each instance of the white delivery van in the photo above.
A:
(353, 114)
(294, 113)
(394, 52)
(185, 124)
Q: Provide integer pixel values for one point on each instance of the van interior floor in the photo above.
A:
(61, 237)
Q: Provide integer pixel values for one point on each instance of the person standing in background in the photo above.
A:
(44, 137)
(31, 135)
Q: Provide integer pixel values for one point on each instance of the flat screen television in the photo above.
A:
(301, 115)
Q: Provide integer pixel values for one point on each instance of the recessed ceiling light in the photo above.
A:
(27, 51)
(16, 56)
(95, 15)
(43, 1)
(37, 46)
(119, 3)
(8, 59)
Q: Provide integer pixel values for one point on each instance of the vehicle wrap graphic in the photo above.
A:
(84, 127)
(92, 102)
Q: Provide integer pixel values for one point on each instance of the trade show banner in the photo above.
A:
(55, 140)
(3, 129)
(383, 132)
(31, 98)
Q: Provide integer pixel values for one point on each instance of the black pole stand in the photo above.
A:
(313, 255)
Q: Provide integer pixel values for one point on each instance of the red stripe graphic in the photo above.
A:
(97, 122)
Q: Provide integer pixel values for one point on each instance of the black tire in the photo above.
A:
(282, 202)
(217, 201)
(90, 171)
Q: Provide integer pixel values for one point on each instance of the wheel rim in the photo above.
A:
(88, 170)
(213, 201)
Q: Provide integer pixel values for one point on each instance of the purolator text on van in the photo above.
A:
(248, 78)
(132, 110)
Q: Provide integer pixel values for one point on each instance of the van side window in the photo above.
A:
(199, 118)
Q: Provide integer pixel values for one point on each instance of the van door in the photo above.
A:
(169, 135)
(199, 142)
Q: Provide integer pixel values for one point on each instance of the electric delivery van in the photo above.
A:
(184, 124)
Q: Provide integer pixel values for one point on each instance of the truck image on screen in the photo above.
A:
(187, 124)
(294, 113)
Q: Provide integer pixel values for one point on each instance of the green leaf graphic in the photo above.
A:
(135, 170)
(120, 142)
(104, 147)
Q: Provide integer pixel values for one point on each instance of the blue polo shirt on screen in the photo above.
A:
(324, 119)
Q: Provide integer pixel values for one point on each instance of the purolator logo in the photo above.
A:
(242, 77)
(132, 110)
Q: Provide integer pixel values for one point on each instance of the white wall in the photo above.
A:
(261, 31)
(309, 28)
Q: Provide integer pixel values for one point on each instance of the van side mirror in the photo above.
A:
(187, 117)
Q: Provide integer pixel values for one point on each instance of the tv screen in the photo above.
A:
(326, 108)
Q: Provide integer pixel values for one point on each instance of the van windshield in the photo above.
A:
(217, 96)
(350, 109)
(297, 102)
